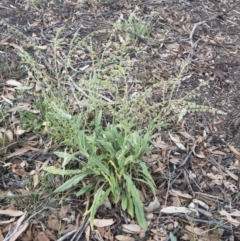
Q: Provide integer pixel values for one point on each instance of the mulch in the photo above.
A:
(199, 164)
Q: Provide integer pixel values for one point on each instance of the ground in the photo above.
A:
(195, 160)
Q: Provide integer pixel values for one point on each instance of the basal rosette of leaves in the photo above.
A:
(112, 168)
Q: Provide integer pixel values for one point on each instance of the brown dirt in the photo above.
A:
(216, 55)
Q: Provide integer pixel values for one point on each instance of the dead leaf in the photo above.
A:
(131, 228)
(235, 213)
(177, 141)
(13, 82)
(43, 47)
(18, 168)
(1, 236)
(42, 237)
(186, 135)
(124, 238)
(154, 205)
(209, 199)
(53, 222)
(180, 194)
(199, 155)
(24, 106)
(176, 202)
(232, 175)
(161, 144)
(172, 47)
(7, 100)
(178, 62)
(234, 222)
(84, 67)
(87, 233)
(35, 180)
(18, 227)
(50, 235)
(4, 40)
(18, 152)
(103, 222)
(7, 221)
(10, 212)
(121, 39)
(97, 236)
(19, 232)
(175, 160)
(214, 177)
(106, 233)
(172, 209)
(68, 228)
(23, 150)
(9, 135)
(234, 150)
(149, 216)
(219, 74)
(217, 152)
(185, 236)
(230, 186)
(9, 96)
(200, 139)
(20, 131)
(236, 123)
(201, 203)
(195, 230)
(27, 5)
(63, 211)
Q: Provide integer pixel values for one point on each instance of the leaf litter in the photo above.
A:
(195, 164)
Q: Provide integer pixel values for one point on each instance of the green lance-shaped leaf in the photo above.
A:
(71, 182)
(124, 202)
(138, 205)
(57, 171)
(86, 189)
(99, 199)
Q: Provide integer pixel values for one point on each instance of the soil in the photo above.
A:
(215, 56)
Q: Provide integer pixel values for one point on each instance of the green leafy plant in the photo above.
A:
(37, 3)
(112, 142)
(135, 28)
(29, 119)
(113, 167)
(103, 85)
(57, 121)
